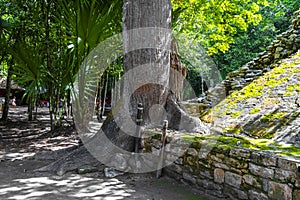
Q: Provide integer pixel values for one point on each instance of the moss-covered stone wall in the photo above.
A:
(268, 107)
(230, 172)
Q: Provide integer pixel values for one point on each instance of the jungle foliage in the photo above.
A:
(43, 42)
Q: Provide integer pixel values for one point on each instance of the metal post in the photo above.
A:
(139, 120)
(161, 153)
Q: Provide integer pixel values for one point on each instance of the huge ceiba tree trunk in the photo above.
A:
(150, 79)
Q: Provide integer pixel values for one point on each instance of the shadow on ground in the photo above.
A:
(22, 142)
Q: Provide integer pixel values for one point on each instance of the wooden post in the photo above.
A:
(161, 154)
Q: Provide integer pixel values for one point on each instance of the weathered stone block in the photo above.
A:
(189, 178)
(236, 163)
(240, 153)
(191, 152)
(215, 158)
(286, 176)
(189, 160)
(219, 155)
(234, 193)
(206, 174)
(264, 159)
(219, 175)
(252, 181)
(255, 157)
(220, 165)
(265, 183)
(287, 164)
(232, 179)
(277, 55)
(268, 160)
(253, 195)
(204, 183)
(261, 171)
(214, 186)
(203, 164)
(176, 168)
(236, 171)
(177, 150)
(279, 191)
(171, 173)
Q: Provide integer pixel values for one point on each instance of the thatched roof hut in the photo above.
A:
(16, 90)
(14, 86)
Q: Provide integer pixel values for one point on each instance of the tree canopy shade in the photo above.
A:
(44, 42)
(275, 20)
(50, 39)
(215, 23)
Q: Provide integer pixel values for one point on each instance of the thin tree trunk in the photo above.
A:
(105, 93)
(35, 106)
(112, 92)
(46, 8)
(119, 87)
(51, 104)
(30, 108)
(8, 89)
(98, 100)
(51, 118)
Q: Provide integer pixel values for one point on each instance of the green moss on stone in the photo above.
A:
(272, 116)
(235, 114)
(254, 110)
(295, 87)
(227, 142)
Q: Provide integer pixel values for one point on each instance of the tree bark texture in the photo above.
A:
(146, 37)
(178, 73)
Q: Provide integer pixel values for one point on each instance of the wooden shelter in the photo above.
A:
(16, 90)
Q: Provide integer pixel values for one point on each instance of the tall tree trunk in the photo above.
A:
(153, 54)
(30, 108)
(147, 47)
(8, 89)
(104, 96)
(35, 106)
(178, 73)
(146, 68)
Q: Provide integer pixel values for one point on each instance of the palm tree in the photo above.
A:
(72, 29)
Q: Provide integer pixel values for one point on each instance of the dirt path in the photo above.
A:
(18, 181)
(21, 141)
